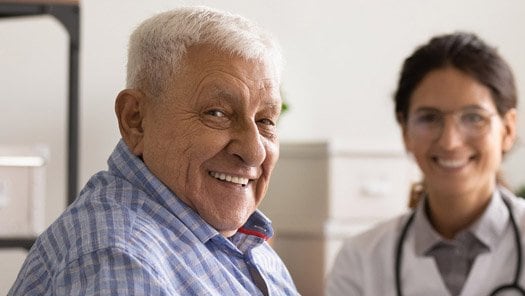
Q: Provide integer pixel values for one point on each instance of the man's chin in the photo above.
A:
(229, 227)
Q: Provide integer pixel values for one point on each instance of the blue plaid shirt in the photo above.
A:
(128, 234)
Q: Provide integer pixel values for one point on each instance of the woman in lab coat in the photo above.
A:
(456, 105)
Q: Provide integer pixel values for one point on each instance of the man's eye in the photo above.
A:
(267, 121)
(216, 113)
(216, 118)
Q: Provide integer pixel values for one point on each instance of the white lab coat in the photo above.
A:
(365, 264)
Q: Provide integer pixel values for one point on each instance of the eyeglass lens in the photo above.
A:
(428, 123)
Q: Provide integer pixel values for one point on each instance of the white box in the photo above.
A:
(22, 191)
(323, 192)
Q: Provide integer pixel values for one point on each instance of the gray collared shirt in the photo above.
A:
(455, 257)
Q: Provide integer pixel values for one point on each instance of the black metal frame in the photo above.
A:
(69, 16)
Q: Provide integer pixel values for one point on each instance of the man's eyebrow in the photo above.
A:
(219, 94)
(273, 105)
(222, 94)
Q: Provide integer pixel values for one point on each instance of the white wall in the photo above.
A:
(342, 63)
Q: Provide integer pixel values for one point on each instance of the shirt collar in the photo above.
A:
(122, 162)
(488, 228)
(258, 225)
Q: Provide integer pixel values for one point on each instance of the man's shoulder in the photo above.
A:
(101, 217)
(112, 213)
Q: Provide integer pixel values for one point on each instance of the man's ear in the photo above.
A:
(130, 111)
(509, 130)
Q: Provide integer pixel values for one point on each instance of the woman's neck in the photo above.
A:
(451, 213)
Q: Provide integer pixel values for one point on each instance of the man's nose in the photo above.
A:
(247, 144)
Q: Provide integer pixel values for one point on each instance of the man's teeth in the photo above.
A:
(452, 163)
(228, 178)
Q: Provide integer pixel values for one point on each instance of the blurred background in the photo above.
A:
(339, 136)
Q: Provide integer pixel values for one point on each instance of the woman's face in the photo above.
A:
(455, 133)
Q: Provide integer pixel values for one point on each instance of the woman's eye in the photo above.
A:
(473, 117)
(427, 118)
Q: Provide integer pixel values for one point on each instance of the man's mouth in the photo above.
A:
(229, 178)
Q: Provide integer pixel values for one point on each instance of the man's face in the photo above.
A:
(212, 139)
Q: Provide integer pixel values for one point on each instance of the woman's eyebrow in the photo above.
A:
(474, 107)
(427, 109)
(468, 107)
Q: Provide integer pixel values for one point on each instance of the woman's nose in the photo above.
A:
(451, 134)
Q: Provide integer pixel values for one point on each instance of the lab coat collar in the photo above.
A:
(491, 225)
(489, 228)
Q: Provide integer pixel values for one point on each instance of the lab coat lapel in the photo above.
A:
(420, 273)
(479, 276)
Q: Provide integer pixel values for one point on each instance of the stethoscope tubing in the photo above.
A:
(512, 286)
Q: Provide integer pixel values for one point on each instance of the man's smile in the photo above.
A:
(229, 178)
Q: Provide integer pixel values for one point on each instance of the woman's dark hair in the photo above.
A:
(465, 52)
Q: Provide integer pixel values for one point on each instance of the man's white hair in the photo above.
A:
(158, 45)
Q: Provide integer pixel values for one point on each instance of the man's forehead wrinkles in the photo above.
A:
(236, 72)
(218, 84)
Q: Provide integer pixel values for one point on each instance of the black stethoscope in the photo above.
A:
(506, 287)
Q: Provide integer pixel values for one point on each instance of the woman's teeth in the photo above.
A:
(233, 179)
(452, 163)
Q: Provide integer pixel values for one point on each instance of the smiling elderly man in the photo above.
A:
(176, 212)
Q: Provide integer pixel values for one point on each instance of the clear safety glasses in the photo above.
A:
(428, 123)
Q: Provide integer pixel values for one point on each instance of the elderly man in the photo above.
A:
(176, 212)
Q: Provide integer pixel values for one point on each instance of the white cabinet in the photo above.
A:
(22, 191)
(323, 192)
